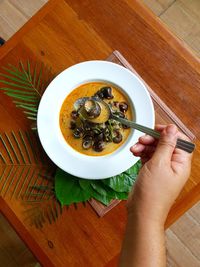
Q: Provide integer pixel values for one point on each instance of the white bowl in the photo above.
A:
(53, 142)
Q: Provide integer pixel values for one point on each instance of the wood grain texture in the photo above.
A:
(190, 239)
(6, 21)
(195, 212)
(14, 14)
(67, 32)
(179, 253)
(28, 7)
(158, 6)
(187, 21)
(159, 58)
(182, 17)
(13, 252)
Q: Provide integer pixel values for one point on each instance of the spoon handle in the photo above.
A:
(181, 144)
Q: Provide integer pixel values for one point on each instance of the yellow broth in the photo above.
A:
(88, 90)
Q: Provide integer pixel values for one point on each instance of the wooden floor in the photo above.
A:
(183, 238)
(182, 17)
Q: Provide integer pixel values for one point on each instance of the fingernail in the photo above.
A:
(171, 129)
(135, 147)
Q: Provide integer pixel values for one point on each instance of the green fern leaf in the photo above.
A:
(25, 85)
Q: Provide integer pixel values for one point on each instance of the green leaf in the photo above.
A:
(121, 195)
(26, 83)
(22, 81)
(124, 181)
(119, 183)
(68, 189)
(85, 184)
(28, 87)
(27, 107)
(21, 92)
(99, 188)
(14, 72)
(103, 199)
(22, 97)
(134, 170)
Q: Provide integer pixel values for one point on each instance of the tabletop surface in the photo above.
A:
(66, 32)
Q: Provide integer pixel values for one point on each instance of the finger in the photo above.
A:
(143, 151)
(137, 149)
(147, 140)
(182, 157)
(167, 143)
(160, 127)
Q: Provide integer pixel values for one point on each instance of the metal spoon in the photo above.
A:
(107, 113)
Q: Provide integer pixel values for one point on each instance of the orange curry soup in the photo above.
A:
(88, 90)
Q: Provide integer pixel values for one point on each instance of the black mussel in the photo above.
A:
(72, 125)
(78, 132)
(107, 138)
(107, 135)
(107, 92)
(74, 114)
(89, 133)
(92, 108)
(88, 129)
(99, 137)
(106, 131)
(116, 104)
(123, 106)
(99, 94)
(87, 126)
(96, 131)
(98, 146)
(87, 142)
(118, 137)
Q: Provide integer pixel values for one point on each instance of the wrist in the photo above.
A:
(146, 214)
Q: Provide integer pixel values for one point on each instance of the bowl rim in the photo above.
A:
(52, 99)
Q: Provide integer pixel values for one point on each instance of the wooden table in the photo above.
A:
(63, 33)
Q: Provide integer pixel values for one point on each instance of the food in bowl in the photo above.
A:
(88, 136)
(48, 119)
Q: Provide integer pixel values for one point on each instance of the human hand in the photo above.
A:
(165, 171)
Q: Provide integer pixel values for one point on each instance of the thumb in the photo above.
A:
(167, 143)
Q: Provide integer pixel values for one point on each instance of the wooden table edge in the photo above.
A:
(190, 200)
(178, 44)
(155, 22)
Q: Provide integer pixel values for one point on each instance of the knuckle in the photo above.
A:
(169, 143)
